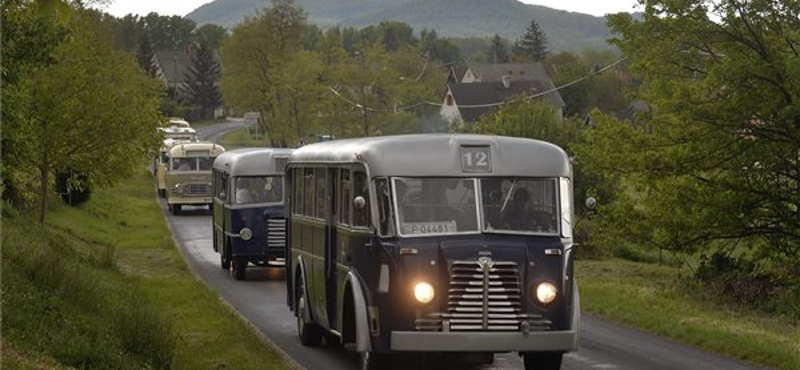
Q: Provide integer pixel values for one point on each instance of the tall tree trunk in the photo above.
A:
(44, 172)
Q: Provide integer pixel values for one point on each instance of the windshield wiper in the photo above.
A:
(508, 196)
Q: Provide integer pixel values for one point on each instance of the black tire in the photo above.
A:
(239, 270)
(176, 209)
(542, 360)
(374, 361)
(310, 333)
(224, 259)
(162, 193)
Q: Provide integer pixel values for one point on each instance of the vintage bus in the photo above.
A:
(458, 244)
(188, 175)
(160, 163)
(248, 216)
(178, 122)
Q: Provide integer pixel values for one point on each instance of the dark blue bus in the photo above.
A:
(248, 214)
(458, 244)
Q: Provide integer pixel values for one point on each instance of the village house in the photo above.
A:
(479, 88)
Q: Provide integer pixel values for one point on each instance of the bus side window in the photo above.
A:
(223, 188)
(360, 189)
(321, 184)
(384, 206)
(308, 196)
(345, 198)
(297, 191)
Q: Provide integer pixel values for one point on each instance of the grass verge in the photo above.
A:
(102, 286)
(241, 138)
(656, 299)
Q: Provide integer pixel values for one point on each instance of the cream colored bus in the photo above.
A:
(160, 163)
(188, 174)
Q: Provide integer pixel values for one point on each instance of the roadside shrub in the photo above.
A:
(770, 288)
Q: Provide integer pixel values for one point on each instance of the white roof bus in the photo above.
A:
(248, 216)
(444, 243)
(188, 175)
(160, 163)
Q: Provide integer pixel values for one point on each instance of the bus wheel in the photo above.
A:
(176, 209)
(239, 268)
(309, 332)
(542, 360)
(374, 361)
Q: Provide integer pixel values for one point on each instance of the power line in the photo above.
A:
(489, 105)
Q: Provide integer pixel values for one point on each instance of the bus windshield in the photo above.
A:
(436, 205)
(259, 189)
(519, 205)
(450, 205)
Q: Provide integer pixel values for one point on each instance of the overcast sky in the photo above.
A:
(120, 8)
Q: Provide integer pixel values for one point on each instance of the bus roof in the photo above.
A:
(196, 149)
(440, 155)
(251, 161)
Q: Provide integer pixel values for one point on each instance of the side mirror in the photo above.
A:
(591, 203)
(359, 203)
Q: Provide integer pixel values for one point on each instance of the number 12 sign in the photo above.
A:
(476, 159)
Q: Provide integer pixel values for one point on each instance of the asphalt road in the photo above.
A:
(261, 300)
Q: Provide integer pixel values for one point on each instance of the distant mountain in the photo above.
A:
(325, 13)
(450, 18)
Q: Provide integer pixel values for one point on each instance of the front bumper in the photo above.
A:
(566, 340)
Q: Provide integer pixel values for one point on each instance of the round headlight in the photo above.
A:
(246, 234)
(423, 292)
(546, 293)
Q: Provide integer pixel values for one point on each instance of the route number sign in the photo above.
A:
(476, 159)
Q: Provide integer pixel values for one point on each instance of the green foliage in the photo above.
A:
(201, 79)
(532, 46)
(498, 50)
(211, 34)
(531, 119)
(343, 82)
(77, 104)
(720, 160)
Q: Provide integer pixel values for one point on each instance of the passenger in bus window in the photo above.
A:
(243, 193)
(516, 215)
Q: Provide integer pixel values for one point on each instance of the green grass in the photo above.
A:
(242, 139)
(656, 299)
(102, 286)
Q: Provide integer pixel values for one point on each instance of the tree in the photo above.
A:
(498, 51)
(212, 34)
(256, 58)
(719, 160)
(87, 109)
(441, 50)
(201, 79)
(532, 46)
(144, 55)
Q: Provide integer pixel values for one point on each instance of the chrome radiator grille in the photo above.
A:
(200, 190)
(484, 295)
(276, 233)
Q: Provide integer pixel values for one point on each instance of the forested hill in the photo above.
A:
(325, 13)
(450, 18)
(508, 18)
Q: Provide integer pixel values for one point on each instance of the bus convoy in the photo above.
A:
(451, 244)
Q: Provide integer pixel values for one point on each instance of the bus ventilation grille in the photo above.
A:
(199, 190)
(276, 233)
